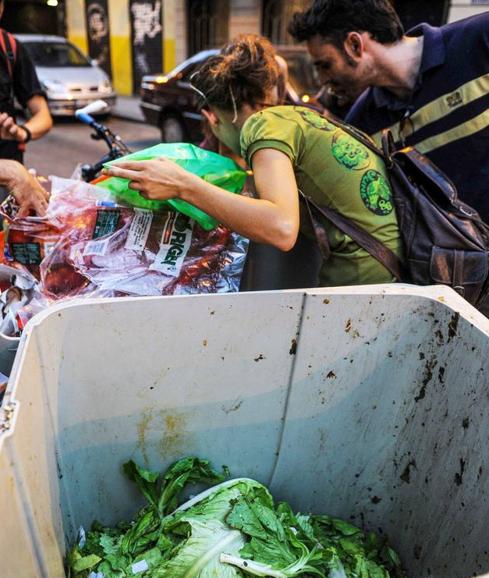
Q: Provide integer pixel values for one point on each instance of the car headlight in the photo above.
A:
(105, 86)
(54, 87)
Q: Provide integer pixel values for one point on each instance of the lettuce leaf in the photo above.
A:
(231, 530)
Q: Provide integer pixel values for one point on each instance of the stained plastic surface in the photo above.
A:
(212, 167)
(365, 402)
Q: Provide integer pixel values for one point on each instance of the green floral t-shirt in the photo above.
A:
(338, 171)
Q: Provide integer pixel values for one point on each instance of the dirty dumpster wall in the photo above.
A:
(365, 403)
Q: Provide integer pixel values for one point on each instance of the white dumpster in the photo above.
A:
(366, 403)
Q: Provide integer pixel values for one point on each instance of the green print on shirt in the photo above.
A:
(317, 121)
(376, 194)
(350, 153)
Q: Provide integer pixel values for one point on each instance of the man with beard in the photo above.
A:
(430, 87)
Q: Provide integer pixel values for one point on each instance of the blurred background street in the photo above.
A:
(138, 56)
(69, 143)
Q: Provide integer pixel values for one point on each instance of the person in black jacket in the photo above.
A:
(18, 80)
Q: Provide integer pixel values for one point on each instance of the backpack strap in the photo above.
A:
(8, 46)
(373, 246)
(319, 231)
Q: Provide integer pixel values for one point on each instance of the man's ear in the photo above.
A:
(354, 45)
(210, 116)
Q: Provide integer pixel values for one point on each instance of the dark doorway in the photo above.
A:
(276, 15)
(33, 17)
(146, 18)
(413, 12)
(208, 24)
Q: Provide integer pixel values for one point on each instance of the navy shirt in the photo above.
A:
(23, 86)
(447, 115)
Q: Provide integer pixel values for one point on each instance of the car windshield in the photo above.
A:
(302, 76)
(55, 54)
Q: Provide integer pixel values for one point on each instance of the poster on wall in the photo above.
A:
(147, 39)
(98, 33)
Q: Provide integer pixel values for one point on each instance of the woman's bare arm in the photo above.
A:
(273, 218)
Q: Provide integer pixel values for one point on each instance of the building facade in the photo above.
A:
(130, 38)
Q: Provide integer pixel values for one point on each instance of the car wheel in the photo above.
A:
(172, 129)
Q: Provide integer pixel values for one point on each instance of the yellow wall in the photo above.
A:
(120, 46)
(120, 37)
(169, 35)
(76, 24)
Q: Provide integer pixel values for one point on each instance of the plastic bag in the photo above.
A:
(31, 239)
(212, 167)
(90, 247)
(145, 253)
(18, 289)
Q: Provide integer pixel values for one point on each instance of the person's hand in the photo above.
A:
(158, 180)
(27, 191)
(10, 130)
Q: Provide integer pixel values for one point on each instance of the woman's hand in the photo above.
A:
(156, 180)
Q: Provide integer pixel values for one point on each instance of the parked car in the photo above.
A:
(169, 102)
(69, 78)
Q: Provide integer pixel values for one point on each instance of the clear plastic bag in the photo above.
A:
(89, 246)
(146, 254)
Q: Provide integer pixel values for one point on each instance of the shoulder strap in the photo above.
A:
(367, 241)
(8, 45)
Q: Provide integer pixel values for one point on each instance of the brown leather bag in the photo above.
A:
(444, 240)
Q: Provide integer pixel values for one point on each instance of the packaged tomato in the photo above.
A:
(30, 241)
(160, 253)
(90, 246)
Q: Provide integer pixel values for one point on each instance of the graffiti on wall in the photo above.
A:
(98, 31)
(147, 39)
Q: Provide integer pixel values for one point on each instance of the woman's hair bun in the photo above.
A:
(245, 69)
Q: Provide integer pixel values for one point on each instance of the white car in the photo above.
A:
(69, 78)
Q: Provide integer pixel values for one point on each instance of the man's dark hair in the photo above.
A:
(334, 19)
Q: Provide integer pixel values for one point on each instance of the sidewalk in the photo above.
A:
(127, 108)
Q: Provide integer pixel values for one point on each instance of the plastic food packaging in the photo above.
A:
(18, 288)
(143, 253)
(212, 167)
(90, 246)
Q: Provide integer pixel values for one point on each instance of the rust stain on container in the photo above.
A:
(143, 427)
(174, 436)
(169, 433)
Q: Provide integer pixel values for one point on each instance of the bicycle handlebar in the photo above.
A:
(116, 145)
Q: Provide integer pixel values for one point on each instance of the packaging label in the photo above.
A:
(96, 248)
(26, 253)
(106, 223)
(175, 243)
(139, 231)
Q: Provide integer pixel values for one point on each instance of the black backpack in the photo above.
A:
(444, 240)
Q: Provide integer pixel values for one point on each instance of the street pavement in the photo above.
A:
(69, 143)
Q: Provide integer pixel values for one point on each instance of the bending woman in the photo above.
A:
(288, 148)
